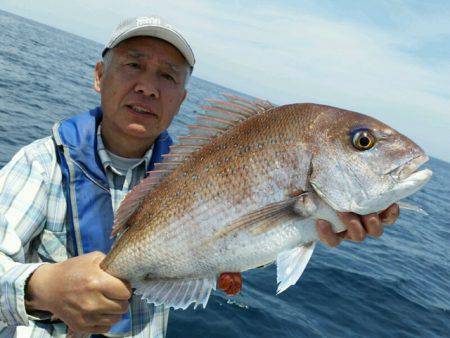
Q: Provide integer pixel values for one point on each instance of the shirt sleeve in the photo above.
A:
(23, 204)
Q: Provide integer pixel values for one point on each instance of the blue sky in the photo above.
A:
(387, 59)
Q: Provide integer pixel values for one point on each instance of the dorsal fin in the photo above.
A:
(260, 105)
(219, 117)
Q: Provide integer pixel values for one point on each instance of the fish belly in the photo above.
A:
(183, 253)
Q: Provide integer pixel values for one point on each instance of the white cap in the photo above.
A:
(153, 26)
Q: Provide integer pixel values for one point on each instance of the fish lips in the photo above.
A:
(409, 168)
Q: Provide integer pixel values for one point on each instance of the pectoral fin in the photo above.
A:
(412, 207)
(262, 220)
(291, 264)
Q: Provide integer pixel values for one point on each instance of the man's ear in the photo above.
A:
(181, 101)
(98, 75)
(184, 96)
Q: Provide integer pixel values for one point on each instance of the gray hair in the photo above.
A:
(107, 57)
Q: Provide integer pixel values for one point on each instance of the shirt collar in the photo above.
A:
(105, 158)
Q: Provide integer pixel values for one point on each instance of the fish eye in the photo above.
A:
(363, 140)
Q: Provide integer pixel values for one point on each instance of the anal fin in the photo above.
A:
(176, 293)
(291, 264)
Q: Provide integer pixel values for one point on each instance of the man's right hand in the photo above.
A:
(80, 293)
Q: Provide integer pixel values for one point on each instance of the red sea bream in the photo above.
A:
(245, 188)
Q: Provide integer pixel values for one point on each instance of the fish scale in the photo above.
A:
(220, 174)
(177, 232)
(248, 196)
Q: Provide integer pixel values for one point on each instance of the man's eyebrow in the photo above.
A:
(138, 55)
(173, 66)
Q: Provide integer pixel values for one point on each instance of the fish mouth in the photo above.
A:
(409, 169)
(408, 179)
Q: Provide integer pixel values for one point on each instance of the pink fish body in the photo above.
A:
(245, 188)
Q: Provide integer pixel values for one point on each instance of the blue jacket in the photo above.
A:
(86, 187)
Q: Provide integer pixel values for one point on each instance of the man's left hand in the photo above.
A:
(358, 227)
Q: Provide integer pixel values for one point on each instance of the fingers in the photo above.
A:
(355, 229)
(98, 329)
(390, 215)
(75, 331)
(110, 306)
(326, 233)
(372, 224)
(94, 324)
(230, 282)
(111, 287)
(358, 227)
(114, 288)
(106, 319)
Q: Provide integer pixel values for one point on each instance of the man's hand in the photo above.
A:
(358, 227)
(230, 282)
(80, 293)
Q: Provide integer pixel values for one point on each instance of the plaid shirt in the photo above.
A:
(33, 230)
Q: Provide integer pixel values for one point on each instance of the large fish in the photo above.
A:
(245, 188)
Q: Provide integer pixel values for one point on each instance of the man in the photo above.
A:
(58, 195)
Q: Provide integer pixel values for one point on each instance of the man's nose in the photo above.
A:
(147, 85)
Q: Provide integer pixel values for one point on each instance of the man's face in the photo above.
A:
(141, 89)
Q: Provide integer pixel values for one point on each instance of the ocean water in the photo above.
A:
(397, 286)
